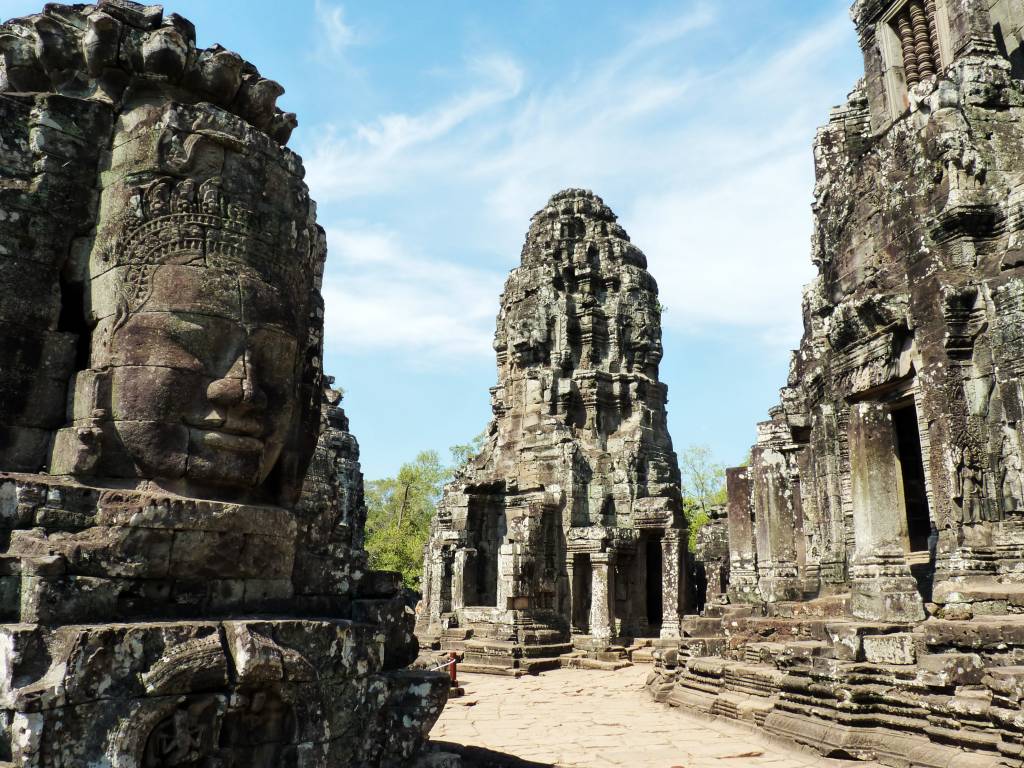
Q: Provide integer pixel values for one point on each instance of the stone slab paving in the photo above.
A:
(597, 719)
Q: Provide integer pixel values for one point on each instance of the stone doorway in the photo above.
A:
(884, 587)
(654, 578)
(581, 586)
(486, 527)
(915, 494)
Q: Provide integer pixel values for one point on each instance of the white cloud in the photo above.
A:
(731, 253)
(378, 155)
(334, 34)
(384, 296)
(710, 170)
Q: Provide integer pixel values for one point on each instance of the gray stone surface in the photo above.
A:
(182, 574)
(569, 522)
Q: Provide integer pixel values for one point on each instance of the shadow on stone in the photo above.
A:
(477, 757)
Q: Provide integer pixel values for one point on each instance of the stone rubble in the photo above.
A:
(876, 541)
(182, 573)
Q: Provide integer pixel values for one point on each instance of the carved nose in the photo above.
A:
(238, 387)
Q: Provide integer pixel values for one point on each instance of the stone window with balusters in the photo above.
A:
(913, 40)
(916, 24)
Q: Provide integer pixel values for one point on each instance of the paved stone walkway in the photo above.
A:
(590, 718)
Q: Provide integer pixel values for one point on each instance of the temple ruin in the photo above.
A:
(182, 573)
(876, 541)
(567, 530)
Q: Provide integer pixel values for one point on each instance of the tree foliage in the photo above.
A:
(400, 508)
(703, 486)
(466, 451)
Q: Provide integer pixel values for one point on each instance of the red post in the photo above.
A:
(453, 658)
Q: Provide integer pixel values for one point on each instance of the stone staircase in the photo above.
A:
(609, 658)
(492, 649)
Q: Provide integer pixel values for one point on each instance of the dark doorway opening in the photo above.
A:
(654, 578)
(915, 496)
(73, 319)
(486, 528)
(581, 586)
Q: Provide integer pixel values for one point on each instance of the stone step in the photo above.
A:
(742, 611)
(733, 706)
(540, 651)
(702, 646)
(992, 634)
(490, 669)
(771, 628)
(776, 653)
(700, 626)
(481, 648)
(831, 606)
(548, 637)
(978, 597)
(643, 654)
(1006, 683)
(492, 648)
(574, 661)
(538, 665)
(946, 670)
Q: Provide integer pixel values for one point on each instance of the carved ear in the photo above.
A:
(287, 478)
(77, 449)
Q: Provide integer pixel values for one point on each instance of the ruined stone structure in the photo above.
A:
(877, 540)
(711, 559)
(182, 579)
(569, 522)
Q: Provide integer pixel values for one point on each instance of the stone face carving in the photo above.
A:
(569, 523)
(215, 373)
(878, 612)
(172, 458)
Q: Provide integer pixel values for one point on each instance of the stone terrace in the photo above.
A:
(592, 718)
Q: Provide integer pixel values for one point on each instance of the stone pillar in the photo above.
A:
(431, 611)
(570, 570)
(469, 589)
(510, 590)
(459, 579)
(776, 539)
(602, 593)
(742, 553)
(883, 588)
(673, 581)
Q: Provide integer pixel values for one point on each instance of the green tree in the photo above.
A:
(400, 508)
(466, 451)
(703, 486)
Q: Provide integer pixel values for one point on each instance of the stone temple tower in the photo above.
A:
(877, 537)
(569, 521)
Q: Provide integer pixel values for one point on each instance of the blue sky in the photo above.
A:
(433, 130)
